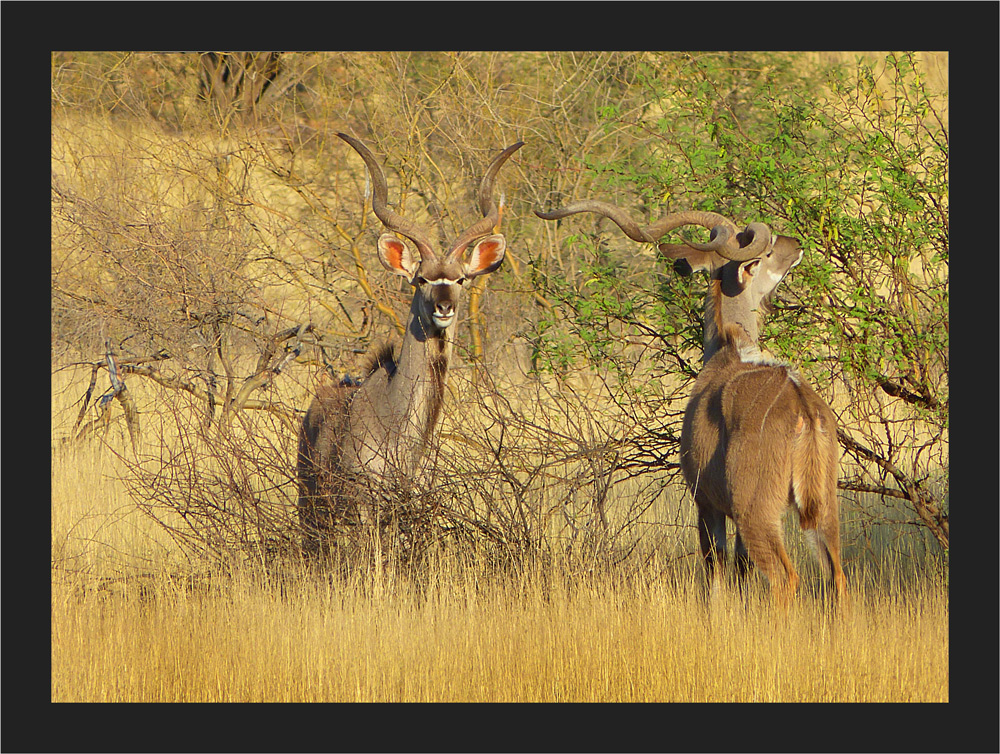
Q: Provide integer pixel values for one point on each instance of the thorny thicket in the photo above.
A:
(211, 239)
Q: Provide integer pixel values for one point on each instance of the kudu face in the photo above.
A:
(438, 284)
(738, 288)
(358, 444)
(756, 438)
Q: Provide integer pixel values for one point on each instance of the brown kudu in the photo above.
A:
(361, 444)
(756, 438)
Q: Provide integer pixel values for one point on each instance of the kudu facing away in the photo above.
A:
(361, 444)
(755, 438)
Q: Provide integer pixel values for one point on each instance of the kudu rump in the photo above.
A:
(359, 445)
(756, 438)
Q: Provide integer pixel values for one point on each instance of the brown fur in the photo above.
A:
(361, 446)
(757, 439)
(324, 498)
(323, 502)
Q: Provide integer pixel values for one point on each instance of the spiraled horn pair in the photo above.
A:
(726, 238)
(395, 222)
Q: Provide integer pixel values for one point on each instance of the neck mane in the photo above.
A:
(420, 379)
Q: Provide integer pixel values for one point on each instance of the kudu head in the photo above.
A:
(438, 280)
(744, 266)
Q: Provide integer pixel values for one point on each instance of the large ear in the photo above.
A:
(486, 256)
(736, 276)
(396, 256)
(687, 260)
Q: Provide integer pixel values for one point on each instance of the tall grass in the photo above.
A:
(132, 620)
(472, 639)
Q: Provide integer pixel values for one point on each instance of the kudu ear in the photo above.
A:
(687, 260)
(396, 256)
(486, 256)
(737, 275)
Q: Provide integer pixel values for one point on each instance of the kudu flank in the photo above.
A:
(360, 444)
(756, 438)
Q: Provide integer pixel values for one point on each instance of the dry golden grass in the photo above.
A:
(310, 640)
(127, 627)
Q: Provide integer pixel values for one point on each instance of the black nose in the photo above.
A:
(444, 298)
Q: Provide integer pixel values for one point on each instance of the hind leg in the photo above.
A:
(742, 564)
(712, 536)
(829, 540)
(315, 523)
(766, 547)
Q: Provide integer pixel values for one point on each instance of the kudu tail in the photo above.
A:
(814, 480)
(817, 542)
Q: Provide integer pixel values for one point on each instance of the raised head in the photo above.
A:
(438, 279)
(745, 266)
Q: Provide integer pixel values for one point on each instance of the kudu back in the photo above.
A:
(361, 444)
(756, 438)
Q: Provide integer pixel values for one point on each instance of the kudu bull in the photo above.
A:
(361, 444)
(756, 438)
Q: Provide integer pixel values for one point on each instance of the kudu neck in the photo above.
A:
(722, 311)
(421, 374)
